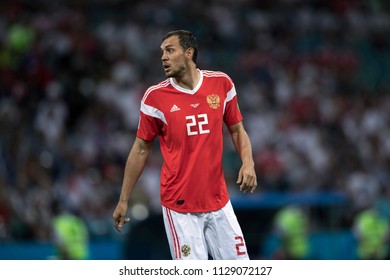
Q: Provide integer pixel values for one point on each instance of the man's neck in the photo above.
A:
(189, 80)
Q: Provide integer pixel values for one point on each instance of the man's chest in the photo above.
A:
(194, 114)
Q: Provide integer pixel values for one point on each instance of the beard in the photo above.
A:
(175, 72)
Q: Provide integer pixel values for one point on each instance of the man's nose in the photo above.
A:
(163, 57)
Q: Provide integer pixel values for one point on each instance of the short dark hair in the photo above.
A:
(186, 40)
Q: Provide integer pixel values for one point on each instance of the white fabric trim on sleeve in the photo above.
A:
(229, 97)
(153, 112)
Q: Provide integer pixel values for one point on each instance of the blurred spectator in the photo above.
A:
(372, 232)
(292, 227)
(70, 236)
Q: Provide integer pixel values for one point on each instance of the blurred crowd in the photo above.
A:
(313, 82)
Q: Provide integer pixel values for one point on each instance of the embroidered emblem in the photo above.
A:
(186, 250)
(213, 101)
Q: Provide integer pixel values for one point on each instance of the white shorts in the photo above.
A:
(195, 236)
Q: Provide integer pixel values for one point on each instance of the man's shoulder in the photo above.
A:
(156, 88)
(160, 85)
(216, 74)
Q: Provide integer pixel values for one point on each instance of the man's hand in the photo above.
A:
(119, 215)
(247, 178)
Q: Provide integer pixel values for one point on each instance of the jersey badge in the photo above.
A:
(186, 250)
(213, 101)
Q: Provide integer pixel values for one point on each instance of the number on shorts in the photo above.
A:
(239, 244)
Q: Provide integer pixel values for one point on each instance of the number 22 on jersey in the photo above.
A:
(196, 124)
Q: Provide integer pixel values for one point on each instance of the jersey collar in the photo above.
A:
(189, 91)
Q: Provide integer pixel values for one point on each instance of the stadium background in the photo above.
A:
(313, 79)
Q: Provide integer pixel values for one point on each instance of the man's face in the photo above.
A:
(173, 57)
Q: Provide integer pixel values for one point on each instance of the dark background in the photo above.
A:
(312, 77)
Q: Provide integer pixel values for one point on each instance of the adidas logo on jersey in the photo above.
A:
(174, 108)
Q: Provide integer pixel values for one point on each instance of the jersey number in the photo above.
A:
(240, 244)
(195, 124)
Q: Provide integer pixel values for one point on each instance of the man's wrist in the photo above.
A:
(123, 199)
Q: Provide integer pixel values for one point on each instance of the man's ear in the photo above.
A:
(189, 53)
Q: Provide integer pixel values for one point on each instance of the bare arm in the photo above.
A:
(134, 166)
(246, 176)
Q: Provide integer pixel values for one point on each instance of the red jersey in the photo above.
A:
(189, 125)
